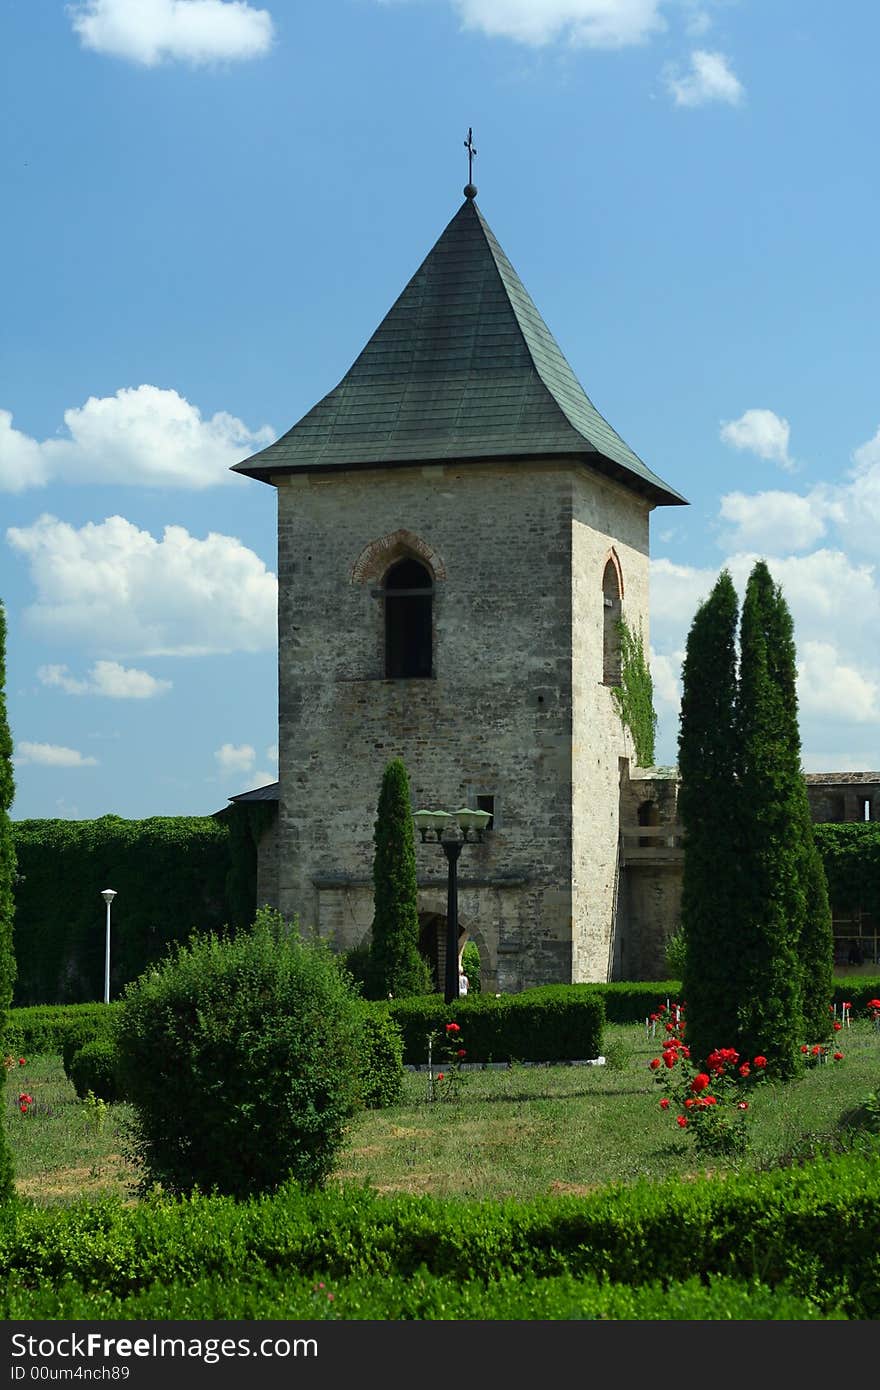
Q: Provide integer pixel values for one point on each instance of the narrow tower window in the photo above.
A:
(611, 625)
(408, 620)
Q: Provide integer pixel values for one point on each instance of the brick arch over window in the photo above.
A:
(376, 558)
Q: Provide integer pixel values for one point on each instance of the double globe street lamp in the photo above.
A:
(466, 825)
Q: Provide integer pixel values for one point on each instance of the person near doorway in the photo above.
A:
(462, 982)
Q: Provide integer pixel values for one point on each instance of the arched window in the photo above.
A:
(409, 600)
(611, 625)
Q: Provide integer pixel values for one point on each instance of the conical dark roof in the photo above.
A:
(461, 368)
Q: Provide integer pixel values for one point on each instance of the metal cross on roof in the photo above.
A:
(470, 191)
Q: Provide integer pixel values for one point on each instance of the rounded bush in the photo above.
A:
(381, 1061)
(94, 1068)
(241, 1059)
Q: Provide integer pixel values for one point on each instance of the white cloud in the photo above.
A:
(591, 23)
(774, 522)
(120, 591)
(106, 678)
(156, 31)
(710, 79)
(272, 754)
(831, 690)
(50, 755)
(230, 758)
(762, 432)
(143, 436)
(262, 779)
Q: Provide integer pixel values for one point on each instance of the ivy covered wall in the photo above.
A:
(172, 876)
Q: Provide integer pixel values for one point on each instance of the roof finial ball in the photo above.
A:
(470, 188)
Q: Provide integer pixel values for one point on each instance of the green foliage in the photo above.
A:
(94, 1067)
(241, 1059)
(280, 1295)
(169, 874)
(8, 874)
(628, 1001)
(675, 953)
(396, 967)
(805, 1233)
(58, 1028)
(634, 697)
(769, 989)
(709, 807)
(246, 822)
(381, 1059)
(470, 964)
(552, 1023)
(851, 859)
(816, 946)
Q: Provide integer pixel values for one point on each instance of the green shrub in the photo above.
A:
(470, 963)
(56, 1028)
(674, 954)
(94, 1067)
(381, 1060)
(241, 1059)
(807, 1232)
(552, 1023)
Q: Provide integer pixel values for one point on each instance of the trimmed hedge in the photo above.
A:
(282, 1295)
(552, 1023)
(94, 1067)
(810, 1231)
(57, 1028)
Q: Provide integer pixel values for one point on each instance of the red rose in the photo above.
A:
(689, 1103)
(700, 1082)
(439, 1076)
(462, 1052)
(804, 1047)
(745, 1069)
(837, 1027)
(654, 1063)
(669, 1058)
(452, 1028)
(760, 1061)
(21, 1062)
(664, 1104)
(742, 1105)
(838, 1056)
(681, 1120)
(816, 1050)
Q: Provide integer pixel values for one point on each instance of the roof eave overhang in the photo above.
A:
(655, 493)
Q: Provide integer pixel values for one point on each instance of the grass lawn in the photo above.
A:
(521, 1133)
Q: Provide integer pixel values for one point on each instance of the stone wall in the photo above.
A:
(496, 719)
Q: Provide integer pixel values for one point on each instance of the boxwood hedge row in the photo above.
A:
(811, 1231)
(278, 1294)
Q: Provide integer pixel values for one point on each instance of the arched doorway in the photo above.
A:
(432, 944)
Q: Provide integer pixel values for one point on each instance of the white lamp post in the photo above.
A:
(108, 894)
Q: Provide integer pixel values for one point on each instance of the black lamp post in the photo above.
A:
(470, 824)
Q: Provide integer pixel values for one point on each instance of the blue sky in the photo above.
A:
(209, 208)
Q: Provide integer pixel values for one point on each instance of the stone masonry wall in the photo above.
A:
(606, 517)
(495, 719)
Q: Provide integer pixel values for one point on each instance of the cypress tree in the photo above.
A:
(709, 811)
(811, 930)
(773, 898)
(7, 881)
(395, 965)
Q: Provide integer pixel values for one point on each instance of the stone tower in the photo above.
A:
(459, 532)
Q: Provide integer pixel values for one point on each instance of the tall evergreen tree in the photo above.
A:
(7, 881)
(395, 965)
(812, 930)
(709, 811)
(773, 898)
